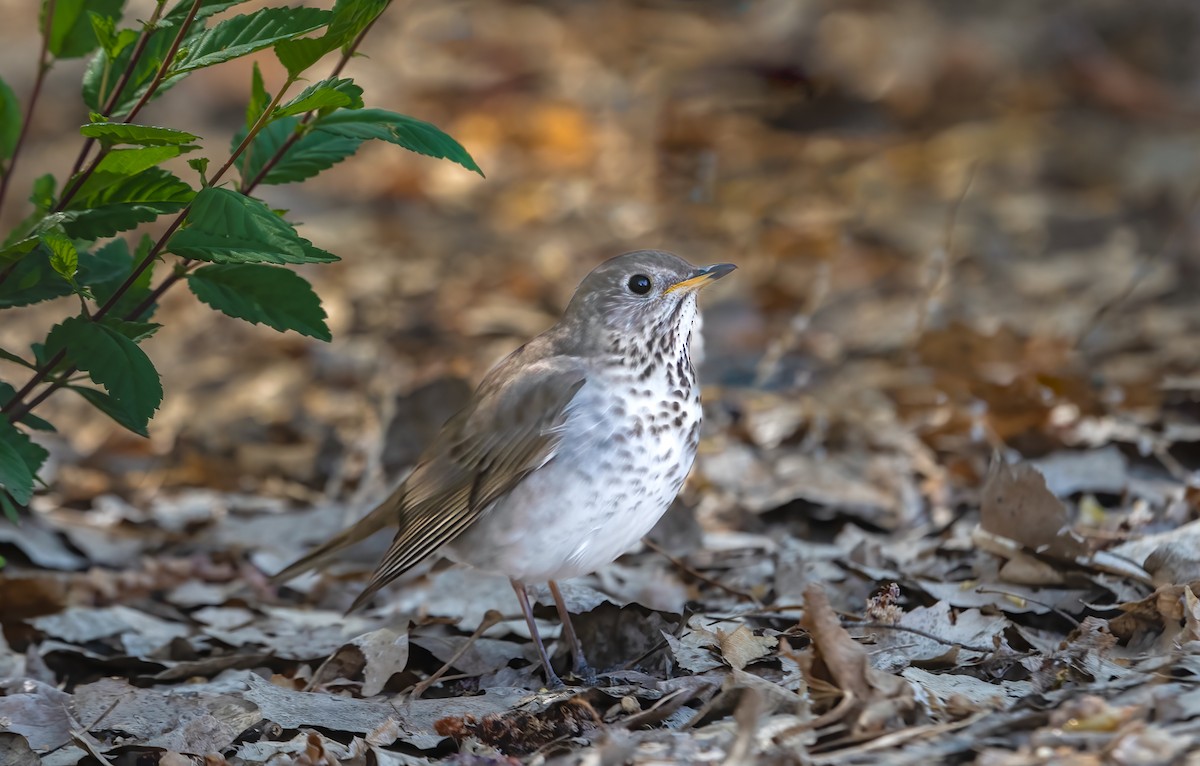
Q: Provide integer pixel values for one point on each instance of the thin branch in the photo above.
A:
(646, 541)
(159, 76)
(13, 408)
(139, 47)
(281, 152)
(166, 62)
(43, 67)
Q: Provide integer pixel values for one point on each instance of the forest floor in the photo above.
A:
(947, 503)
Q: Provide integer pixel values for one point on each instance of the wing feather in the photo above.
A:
(512, 429)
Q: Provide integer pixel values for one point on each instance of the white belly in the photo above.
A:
(606, 487)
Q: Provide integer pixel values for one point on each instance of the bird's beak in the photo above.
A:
(702, 277)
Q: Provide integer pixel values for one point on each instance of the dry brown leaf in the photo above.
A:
(872, 701)
(1017, 505)
(741, 647)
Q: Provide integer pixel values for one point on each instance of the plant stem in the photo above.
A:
(138, 48)
(43, 67)
(159, 76)
(14, 408)
(246, 187)
(165, 67)
(38, 376)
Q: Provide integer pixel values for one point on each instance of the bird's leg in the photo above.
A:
(552, 679)
(578, 661)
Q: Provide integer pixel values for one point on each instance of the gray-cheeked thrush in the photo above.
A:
(570, 450)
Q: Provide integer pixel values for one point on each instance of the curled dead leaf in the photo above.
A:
(872, 701)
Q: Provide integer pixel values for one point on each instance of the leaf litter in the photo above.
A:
(945, 508)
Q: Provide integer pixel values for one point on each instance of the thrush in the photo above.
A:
(570, 450)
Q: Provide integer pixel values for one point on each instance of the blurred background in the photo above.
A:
(960, 226)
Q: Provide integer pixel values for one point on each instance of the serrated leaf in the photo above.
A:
(9, 509)
(20, 460)
(274, 296)
(401, 130)
(298, 55)
(179, 11)
(108, 268)
(259, 98)
(64, 258)
(32, 281)
(247, 33)
(18, 360)
(71, 32)
(110, 203)
(42, 193)
(134, 331)
(10, 120)
(104, 28)
(112, 361)
(16, 478)
(7, 392)
(105, 269)
(109, 406)
(309, 155)
(326, 94)
(130, 162)
(103, 72)
(138, 135)
(227, 227)
(350, 17)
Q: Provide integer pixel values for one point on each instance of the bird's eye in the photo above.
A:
(639, 283)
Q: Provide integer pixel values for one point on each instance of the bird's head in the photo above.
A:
(644, 293)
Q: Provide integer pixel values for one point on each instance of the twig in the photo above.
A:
(490, 620)
(916, 632)
(698, 575)
(939, 259)
(159, 76)
(1141, 271)
(139, 48)
(281, 152)
(39, 79)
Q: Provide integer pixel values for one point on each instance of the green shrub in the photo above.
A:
(232, 250)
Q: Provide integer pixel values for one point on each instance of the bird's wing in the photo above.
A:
(512, 428)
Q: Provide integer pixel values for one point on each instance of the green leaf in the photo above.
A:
(113, 361)
(298, 55)
(259, 98)
(64, 258)
(72, 34)
(10, 120)
(109, 406)
(224, 226)
(130, 162)
(250, 32)
(9, 508)
(32, 281)
(104, 28)
(103, 72)
(105, 270)
(18, 360)
(20, 460)
(326, 94)
(401, 130)
(351, 17)
(7, 392)
(109, 203)
(179, 11)
(271, 295)
(309, 155)
(139, 135)
(42, 194)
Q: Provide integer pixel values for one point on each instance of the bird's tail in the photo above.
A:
(385, 514)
